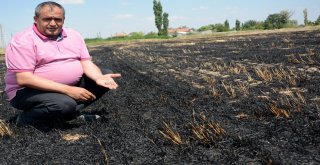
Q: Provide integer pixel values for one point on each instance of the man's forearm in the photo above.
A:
(27, 79)
(91, 70)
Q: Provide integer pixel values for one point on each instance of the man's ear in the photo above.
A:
(35, 19)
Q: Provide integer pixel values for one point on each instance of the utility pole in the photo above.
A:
(2, 44)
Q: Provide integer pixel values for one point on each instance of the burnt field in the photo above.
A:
(245, 99)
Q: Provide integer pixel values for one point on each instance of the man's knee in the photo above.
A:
(62, 105)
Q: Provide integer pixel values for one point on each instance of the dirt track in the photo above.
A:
(253, 98)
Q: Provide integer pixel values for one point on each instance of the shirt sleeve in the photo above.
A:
(84, 55)
(20, 55)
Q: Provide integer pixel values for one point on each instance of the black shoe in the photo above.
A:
(19, 121)
(85, 118)
(89, 117)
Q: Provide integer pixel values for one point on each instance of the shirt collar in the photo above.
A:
(43, 37)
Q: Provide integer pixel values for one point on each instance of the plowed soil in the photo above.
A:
(244, 99)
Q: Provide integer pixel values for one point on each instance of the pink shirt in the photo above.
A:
(57, 60)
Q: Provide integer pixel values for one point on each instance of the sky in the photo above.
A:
(104, 18)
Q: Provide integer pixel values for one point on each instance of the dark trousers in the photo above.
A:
(42, 106)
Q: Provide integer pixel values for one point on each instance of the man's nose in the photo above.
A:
(52, 22)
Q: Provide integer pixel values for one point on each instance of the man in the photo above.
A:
(50, 75)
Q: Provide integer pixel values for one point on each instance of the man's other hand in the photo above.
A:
(107, 81)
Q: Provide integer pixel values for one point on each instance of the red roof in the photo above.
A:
(178, 30)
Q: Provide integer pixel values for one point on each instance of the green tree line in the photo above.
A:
(273, 21)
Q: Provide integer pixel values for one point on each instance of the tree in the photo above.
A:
(237, 25)
(220, 27)
(151, 35)
(165, 24)
(292, 23)
(157, 9)
(136, 35)
(305, 16)
(161, 20)
(317, 22)
(277, 20)
(252, 24)
(206, 28)
(226, 25)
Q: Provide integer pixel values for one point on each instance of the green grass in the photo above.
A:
(1, 51)
(148, 37)
(98, 41)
